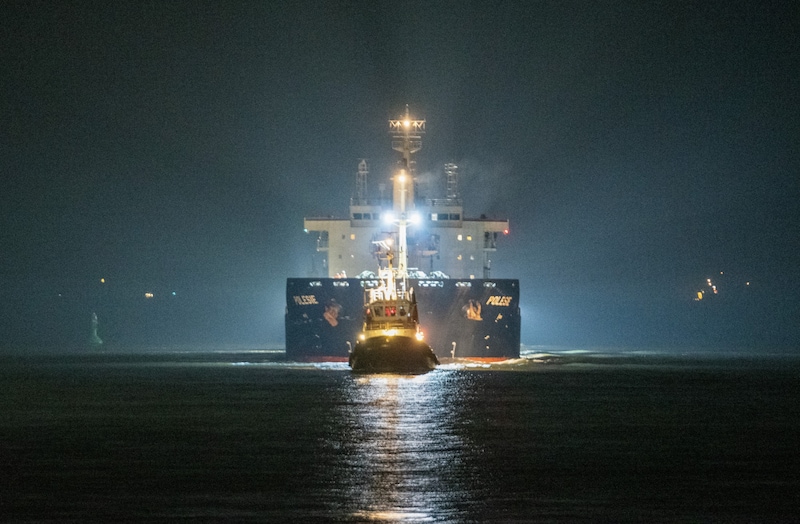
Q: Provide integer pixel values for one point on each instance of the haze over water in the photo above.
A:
(248, 436)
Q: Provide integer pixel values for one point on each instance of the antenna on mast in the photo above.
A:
(406, 137)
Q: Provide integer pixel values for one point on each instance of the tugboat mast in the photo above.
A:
(406, 138)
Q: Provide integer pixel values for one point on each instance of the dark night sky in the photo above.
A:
(637, 148)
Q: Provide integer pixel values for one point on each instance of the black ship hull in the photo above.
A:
(461, 318)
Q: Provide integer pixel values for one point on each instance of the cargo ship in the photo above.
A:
(446, 259)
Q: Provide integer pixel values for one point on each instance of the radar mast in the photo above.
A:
(406, 138)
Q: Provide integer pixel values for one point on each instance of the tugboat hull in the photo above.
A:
(392, 355)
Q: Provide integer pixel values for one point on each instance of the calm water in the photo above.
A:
(248, 437)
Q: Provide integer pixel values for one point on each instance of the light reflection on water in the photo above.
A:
(401, 452)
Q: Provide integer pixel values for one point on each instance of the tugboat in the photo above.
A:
(391, 340)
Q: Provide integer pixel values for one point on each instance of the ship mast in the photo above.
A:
(406, 138)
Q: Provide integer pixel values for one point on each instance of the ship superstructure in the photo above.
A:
(440, 240)
(443, 256)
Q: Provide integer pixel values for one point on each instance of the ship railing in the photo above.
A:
(371, 202)
(444, 202)
(381, 294)
(391, 324)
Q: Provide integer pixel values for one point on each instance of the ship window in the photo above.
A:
(455, 216)
(460, 238)
(469, 237)
(353, 236)
(442, 216)
(434, 216)
(357, 216)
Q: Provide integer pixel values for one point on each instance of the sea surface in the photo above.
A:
(245, 436)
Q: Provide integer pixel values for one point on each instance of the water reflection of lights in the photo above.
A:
(403, 455)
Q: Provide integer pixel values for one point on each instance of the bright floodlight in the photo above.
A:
(388, 217)
(415, 218)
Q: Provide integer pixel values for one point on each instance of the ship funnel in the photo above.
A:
(361, 183)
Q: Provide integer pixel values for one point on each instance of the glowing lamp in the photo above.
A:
(419, 336)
